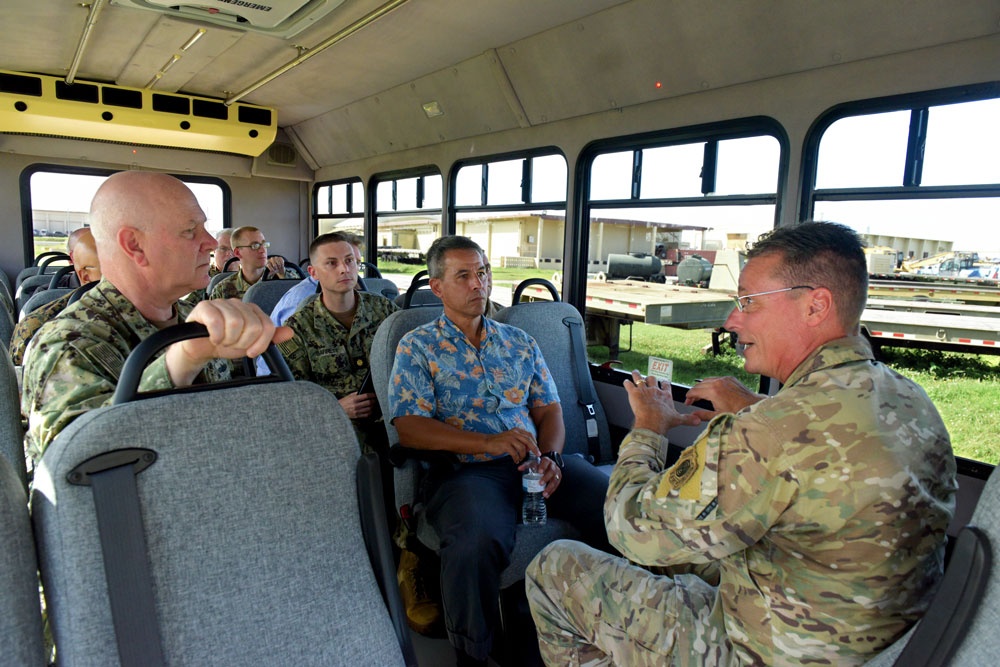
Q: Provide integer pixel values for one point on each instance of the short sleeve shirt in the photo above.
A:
(438, 373)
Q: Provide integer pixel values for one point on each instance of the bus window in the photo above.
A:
(408, 219)
(515, 208)
(921, 184)
(339, 206)
(60, 203)
(668, 220)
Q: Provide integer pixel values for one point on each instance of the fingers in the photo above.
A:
(358, 406)
(551, 477)
(234, 328)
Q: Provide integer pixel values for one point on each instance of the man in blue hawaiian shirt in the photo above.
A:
(482, 391)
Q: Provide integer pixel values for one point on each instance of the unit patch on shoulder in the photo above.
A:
(685, 475)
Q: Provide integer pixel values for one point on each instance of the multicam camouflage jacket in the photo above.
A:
(75, 360)
(325, 352)
(824, 508)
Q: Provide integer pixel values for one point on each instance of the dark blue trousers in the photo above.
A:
(474, 508)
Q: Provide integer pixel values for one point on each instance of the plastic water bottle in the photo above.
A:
(533, 509)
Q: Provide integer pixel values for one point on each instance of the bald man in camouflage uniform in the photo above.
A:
(334, 331)
(151, 239)
(815, 519)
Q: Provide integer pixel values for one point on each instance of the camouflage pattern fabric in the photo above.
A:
(74, 362)
(325, 352)
(194, 298)
(230, 287)
(32, 322)
(824, 506)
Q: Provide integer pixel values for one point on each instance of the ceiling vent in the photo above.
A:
(279, 18)
(281, 155)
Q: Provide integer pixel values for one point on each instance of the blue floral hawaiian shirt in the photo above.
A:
(438, 373)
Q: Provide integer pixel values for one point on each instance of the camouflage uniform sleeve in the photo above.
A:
(64, 379)
(294, 349)
(670, 516)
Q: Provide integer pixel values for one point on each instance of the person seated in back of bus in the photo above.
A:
(83, 255)
(250, 246)
(481, 390)
(153, 247)
(821, 511)
(333, 334)
(293, 298)
(223, 252)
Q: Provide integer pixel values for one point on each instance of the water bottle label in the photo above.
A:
(533, 485)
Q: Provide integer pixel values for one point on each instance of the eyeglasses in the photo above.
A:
(256, 245)
(743, 301)
(223, 249)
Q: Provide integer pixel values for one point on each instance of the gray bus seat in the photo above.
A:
(42, 297)
(11, 426)
(5, 282)
(407, 463)
(6, 327)
(28, 287)
(216, 279)
(382, 286)
(418, 294)
(558, 329)
(267, 293)
(6, 298)
(252, 530)
(44, 263)
(20, 612)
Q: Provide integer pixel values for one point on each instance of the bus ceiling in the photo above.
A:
(353, 79)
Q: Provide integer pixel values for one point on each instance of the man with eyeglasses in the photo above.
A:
(250, 247)
(481, 390)
(223, 252)
(806, 527)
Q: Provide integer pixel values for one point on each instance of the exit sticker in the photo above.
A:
(661, 369)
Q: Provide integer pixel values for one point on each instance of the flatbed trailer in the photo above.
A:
(926, 323)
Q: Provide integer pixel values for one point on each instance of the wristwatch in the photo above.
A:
(556, 457)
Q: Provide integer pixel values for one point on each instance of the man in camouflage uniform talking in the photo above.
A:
(154, 249)
(815, 518)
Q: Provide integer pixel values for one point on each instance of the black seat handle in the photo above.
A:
(144, 352)
(521, 286)
(48, 257)
(58, 275)
(414, 286)
(225, 267)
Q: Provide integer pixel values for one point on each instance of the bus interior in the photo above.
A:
(624, 150)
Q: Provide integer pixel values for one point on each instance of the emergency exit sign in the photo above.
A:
(661, 369)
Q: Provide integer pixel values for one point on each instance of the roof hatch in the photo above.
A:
(279, 18)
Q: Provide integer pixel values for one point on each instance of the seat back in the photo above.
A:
(11, 432)
(6, 298)
(381, 357)
(551, 324)
(252, 526)
(267, 293)
(29, 286)
(42, 297)
(215, 280)
(382, 286)
(20, 613)
(6, 327)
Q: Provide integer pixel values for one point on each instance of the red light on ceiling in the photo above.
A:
(658, 85)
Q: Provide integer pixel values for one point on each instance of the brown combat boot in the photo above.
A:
(423, 611)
